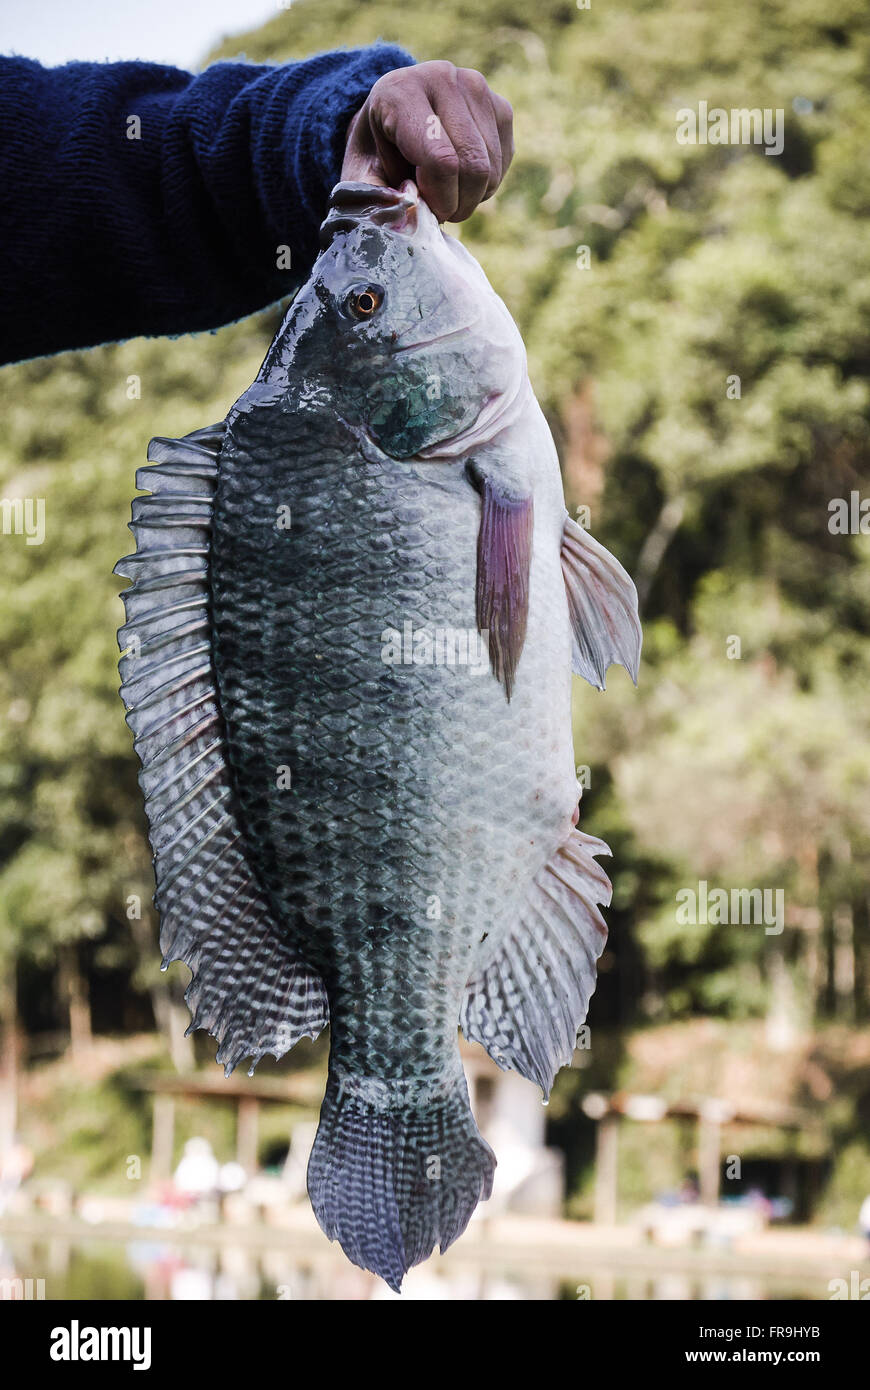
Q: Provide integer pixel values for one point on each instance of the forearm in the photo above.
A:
(142, 200)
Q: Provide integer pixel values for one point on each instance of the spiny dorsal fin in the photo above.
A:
(248, 988)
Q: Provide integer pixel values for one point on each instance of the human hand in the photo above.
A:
(438, 124)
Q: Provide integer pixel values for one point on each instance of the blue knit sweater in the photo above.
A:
(137, 199)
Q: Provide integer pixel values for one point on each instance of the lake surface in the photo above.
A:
(149, 1268)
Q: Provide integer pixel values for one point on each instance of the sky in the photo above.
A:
(180, 32)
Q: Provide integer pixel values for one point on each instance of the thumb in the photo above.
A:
(369, 157)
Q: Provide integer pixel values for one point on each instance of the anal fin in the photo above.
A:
(530, 991)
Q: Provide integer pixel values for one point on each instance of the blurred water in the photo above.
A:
(151, 1269)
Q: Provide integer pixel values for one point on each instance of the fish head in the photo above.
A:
(400, 326)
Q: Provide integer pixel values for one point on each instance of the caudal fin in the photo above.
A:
(393, 1174)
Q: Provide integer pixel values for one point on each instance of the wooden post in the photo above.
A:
(74, 994)
(246, 1133)
(9, 1047)
(711, 1115)
(606, 1169)
(162, 1138)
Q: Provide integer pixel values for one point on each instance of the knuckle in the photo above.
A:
(391, 87)
(446, 159)
(474, 81)
(385, 83)
(504, 112)
(440, 68)
(385, 100)
(475, 164)
(382, 97)
(388, 117)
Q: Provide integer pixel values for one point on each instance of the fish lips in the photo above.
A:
(353, 205)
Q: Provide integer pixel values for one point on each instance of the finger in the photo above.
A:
(359, 167)
(362, 163)
(478, 99)
(504, 120)
(405, 121)
(392, 163)
(474, 169)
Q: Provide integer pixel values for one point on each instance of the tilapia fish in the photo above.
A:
(347, 664)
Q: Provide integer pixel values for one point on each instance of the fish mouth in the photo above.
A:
(439, 338)
(353, 205)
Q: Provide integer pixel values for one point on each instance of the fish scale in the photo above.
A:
(421, 869)
(384, 817)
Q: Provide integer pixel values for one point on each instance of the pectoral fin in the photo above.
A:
(504, 557)
(602, 602)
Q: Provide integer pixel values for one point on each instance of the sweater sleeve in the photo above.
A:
(139, 199)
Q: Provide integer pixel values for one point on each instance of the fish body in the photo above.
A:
(353, 709)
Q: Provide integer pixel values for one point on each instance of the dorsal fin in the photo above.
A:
(248, 989)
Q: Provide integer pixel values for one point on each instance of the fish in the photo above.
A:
(355, 608)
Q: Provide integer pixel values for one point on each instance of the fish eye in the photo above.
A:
(364, 303)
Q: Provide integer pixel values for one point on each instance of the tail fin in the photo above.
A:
(396, 1170)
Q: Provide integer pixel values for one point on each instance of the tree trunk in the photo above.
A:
(813, 932)
(180, 1047)
(167, 1000)
(654, 547)
(9, 1055)
(844, 943)
(75, 995)
(844, 962)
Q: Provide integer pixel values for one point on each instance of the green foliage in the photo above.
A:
(847, 1188)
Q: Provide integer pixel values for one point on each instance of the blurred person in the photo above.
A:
(198, 1172)
(690, 1190)
(16, 1165)
(232, 1177)
(142, 200)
